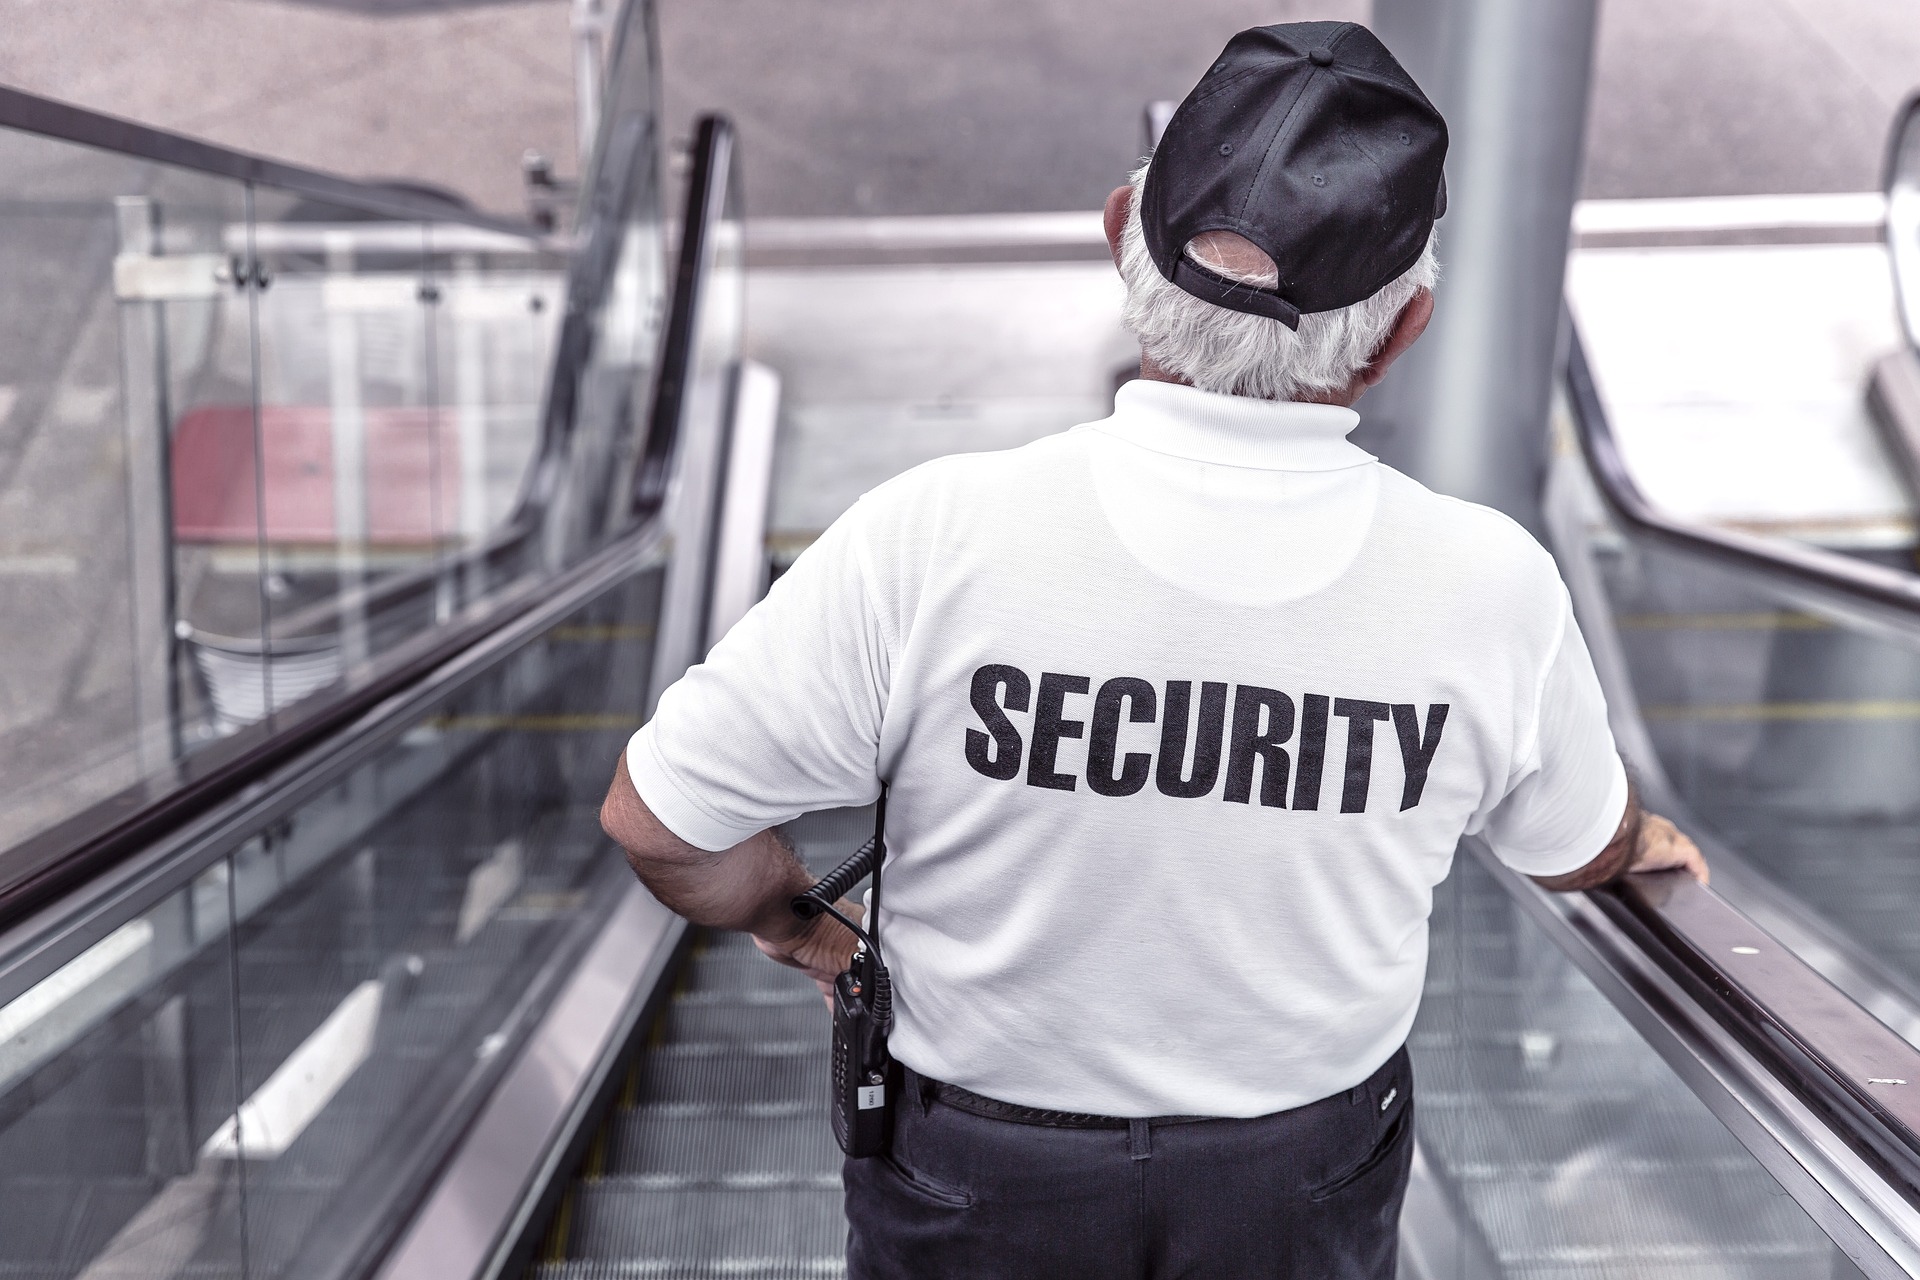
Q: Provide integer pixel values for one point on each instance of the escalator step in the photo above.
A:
(734, 1022)
(741, 970)
(693, 1140)
(779, 1071)
(652, 1229)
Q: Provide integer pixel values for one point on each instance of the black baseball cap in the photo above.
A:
(1310, 140)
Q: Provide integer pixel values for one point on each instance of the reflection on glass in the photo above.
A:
(1560, 1146)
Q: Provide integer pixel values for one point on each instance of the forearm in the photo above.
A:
(747, 887)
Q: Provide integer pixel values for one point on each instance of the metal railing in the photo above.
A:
(1823, 1092)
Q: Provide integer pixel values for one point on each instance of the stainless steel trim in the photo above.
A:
(1847, 217)
(482, 1203)
(443, 237)
(927, 232)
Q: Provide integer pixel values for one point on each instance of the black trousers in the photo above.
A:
(1308, 1194)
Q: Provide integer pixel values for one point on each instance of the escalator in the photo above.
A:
(1598, 1097)
(717, 1158)
(340, 978)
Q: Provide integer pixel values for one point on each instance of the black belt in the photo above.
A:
(929, 1090)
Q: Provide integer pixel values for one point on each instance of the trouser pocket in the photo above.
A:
(1392, 1141)
(920, 1186)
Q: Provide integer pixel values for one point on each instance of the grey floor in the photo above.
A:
(859, 106)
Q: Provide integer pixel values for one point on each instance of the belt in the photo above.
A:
(929, 1090)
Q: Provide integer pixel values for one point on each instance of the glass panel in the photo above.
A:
(118, 330)
(1557, 1143)
(390, 928)
(186, 366)
(1794, 735)
(116, 1073)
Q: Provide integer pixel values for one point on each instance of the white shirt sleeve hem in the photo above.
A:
(1577, 853)
(671, 802)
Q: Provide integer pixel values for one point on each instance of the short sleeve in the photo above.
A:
(784, 716)
(1565, 801)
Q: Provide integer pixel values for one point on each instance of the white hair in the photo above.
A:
(1217, 349)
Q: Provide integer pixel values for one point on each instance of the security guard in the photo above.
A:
(1184, 713)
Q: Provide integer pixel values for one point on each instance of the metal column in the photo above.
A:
(1465, 411)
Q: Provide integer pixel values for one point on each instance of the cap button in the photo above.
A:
(1320, 57)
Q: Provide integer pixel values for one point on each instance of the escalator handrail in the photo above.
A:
(51, 118)
(1813, 1155)
(709, 184)
(286, 771)
(1887, 597)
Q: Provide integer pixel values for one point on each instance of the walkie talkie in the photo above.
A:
(863, 1070)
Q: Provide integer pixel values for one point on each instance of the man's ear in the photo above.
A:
(1119, 205)
(1407, 328)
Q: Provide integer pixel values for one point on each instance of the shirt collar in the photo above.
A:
(1234, 431)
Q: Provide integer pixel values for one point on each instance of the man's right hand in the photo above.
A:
(1664, 847)
(822, 949)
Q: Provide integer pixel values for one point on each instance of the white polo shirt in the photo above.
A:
(1184, 713)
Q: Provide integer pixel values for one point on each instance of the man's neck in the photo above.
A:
(1151, 370)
